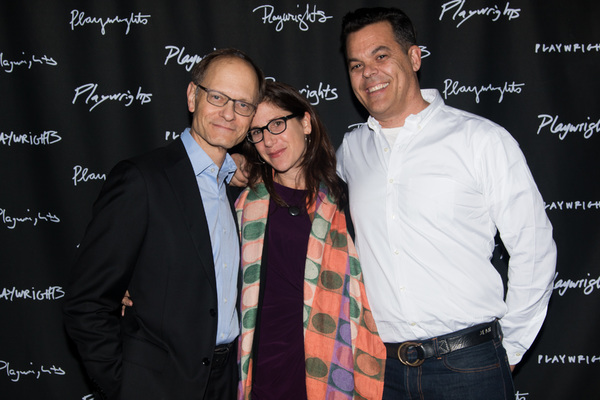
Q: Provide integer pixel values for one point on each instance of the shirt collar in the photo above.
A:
(228, 168)
(201, 161)
(415, 122)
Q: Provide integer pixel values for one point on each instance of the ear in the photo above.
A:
(306, 124)
(191, 96)
(414, 54)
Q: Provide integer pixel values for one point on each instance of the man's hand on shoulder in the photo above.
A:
(240, 178)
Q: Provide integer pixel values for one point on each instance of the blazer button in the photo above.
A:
(205, 361)
(213, 312)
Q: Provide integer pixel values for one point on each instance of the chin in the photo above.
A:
(278, 167)
(227, 141)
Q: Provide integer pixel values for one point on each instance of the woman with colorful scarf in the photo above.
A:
(307, 330)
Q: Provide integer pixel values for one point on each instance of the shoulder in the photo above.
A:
(170, 153)
(452, 119)
(353, 140)
(476, 130)
(461, 117)
(357, 131)
(149, 167)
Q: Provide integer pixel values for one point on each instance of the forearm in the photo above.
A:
(517, 209)
(529, 291)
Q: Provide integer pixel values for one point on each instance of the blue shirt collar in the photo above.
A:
(201, 161)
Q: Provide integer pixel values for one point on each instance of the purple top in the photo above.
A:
(279, 361)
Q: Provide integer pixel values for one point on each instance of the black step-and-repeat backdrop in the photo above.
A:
(84, 84)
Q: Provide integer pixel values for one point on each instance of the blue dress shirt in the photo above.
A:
(212, 182)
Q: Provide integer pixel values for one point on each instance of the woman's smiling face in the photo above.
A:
(284, 151)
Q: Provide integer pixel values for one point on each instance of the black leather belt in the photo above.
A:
(221, 354)
(414, 353)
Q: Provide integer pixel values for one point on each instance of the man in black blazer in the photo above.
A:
(163, 228)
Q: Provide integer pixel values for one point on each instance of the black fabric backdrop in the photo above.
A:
(84, 84)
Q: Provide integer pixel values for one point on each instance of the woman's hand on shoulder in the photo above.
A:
(126, 302)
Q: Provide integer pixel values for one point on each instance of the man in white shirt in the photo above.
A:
(429, 187)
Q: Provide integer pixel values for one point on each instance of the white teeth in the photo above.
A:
(377, 87)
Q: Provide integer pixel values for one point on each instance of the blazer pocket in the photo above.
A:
(144, 353)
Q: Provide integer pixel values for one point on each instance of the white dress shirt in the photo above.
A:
(212, 183)
(426, 211)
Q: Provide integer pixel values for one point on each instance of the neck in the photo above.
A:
(295, 181)
(216, 154)
(414, 104)
(398, 121)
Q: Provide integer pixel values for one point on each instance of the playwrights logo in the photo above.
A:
(89, 94)
(568, 359)
(302, 18)
(16, 373)
(78, 18)
(460, 12)
(45, 138)
(82, 175)
(453, 88)
(567, 48)
(573, 205)
(585, 285)
(181, 57)
(33, 218)
(554, 125)
(26, 61)
(49, 294)
(323, 92)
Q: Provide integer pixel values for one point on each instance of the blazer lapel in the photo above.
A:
(233, 193)
(183, 183)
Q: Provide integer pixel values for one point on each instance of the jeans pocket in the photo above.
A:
(482, 357)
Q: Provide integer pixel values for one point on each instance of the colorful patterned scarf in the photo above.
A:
(345, 358)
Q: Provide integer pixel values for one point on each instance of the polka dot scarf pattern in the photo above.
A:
(345, 358)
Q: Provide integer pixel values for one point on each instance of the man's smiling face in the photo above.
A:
(383, 74)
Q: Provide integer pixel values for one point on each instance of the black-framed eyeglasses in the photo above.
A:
(275, 126)
(219, 99)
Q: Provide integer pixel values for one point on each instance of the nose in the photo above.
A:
(227, 111)
(369, 71)
(268, 138)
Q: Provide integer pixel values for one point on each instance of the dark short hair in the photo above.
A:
(403, 29)
(200, 69)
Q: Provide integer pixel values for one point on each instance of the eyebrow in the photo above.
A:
(271, 120)
(380, 48)
(373, 52)
(225, 94)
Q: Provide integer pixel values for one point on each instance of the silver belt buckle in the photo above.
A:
(403, 354)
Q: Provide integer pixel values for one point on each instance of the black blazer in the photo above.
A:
(148, 234)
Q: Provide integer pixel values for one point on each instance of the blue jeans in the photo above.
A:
(480, 372)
